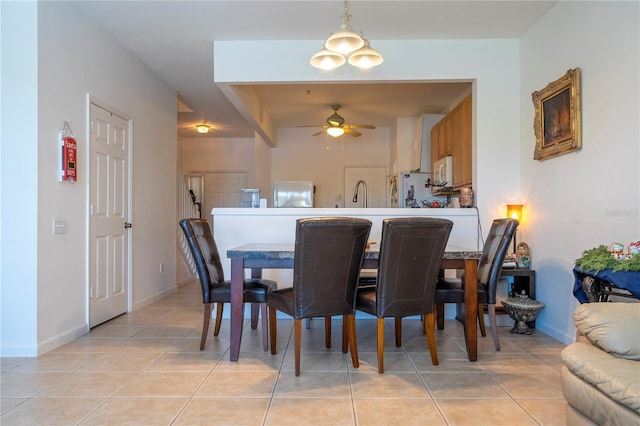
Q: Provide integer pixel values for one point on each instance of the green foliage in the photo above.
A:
(599, 258)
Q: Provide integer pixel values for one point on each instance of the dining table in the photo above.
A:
(259, 256)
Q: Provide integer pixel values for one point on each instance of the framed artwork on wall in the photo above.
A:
(557, 117)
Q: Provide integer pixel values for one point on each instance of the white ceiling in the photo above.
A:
(175, 39)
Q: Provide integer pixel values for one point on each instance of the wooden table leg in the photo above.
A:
(237, 306)
(471, 308)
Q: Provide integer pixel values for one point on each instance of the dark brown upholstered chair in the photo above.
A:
(411, 251)
(214, 287)
(326, 265)
(451, 290)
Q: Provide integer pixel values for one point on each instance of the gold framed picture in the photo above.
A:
(557, 120)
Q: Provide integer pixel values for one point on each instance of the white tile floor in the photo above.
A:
(145, 368)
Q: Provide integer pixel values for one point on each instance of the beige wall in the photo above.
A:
(322, 159)
(580, 200)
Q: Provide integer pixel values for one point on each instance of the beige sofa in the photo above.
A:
(601, 372)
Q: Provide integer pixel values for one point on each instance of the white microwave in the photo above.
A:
(443, 173)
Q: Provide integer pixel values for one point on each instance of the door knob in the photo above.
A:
(127, 225)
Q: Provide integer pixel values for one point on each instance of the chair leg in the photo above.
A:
(216, 327)
(349, 321)
(380, 345)
(440, 315)
(424, 325)
(483, 330)
(492, 323)
(265, 326)
(345, 335)
(398, 324)
(272, 330)
(297, 335)
(430, 327)
(255, 308)
(327, 332)
(205, 324)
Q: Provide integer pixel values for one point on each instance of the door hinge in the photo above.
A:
(90, 209)
(91, 127)
(127, 225)
(90, 292)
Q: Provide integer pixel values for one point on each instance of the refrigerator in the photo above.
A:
(415, 191)
(293, 194)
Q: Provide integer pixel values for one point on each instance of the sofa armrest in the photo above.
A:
(613, 327)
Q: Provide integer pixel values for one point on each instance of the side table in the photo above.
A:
(523, 279)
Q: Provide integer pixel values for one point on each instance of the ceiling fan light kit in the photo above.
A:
(336, 125)
(348, 43)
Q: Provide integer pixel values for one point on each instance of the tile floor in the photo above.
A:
(145, 369)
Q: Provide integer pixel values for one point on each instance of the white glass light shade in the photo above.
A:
(344, 42)
(335, 131)
(327, 60)
(366, 57)
(202, 128)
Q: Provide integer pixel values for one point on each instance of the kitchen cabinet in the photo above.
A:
(435, 146)
(452, 136)
(444, 137)
(461, 150)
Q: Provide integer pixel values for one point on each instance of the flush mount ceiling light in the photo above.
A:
(202, 128)
(346, 43)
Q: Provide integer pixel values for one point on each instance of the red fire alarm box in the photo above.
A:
(68, 158)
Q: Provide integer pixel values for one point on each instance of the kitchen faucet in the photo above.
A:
(355, 194)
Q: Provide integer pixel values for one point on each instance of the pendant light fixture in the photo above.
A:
(365, 57)
(346, 43)
(327, 60)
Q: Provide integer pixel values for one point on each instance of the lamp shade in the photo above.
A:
(327, 60)
(335, 131)
(365, 57)
(514, 211)
(344, 42)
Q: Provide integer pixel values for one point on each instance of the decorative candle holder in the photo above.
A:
(523, 310)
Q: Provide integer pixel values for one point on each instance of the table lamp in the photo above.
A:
(514, 211)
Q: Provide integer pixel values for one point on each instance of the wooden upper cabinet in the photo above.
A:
(461, 144)
(452, 136)
(444, 136)
(435, 146)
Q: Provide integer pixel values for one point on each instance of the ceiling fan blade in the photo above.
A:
(359, 126)
(351, 132)
(318, 133)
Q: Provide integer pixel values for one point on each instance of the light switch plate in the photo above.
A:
(59, 226)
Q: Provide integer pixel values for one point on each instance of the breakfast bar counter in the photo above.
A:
(233, 227)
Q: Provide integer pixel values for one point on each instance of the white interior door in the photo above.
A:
(376, 180)
(222, 190)
(108, 215)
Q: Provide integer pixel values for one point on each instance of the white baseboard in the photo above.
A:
(149, 300)
(62, 338)
(186, 281)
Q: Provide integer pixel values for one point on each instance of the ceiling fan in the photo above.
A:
(336, 126)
